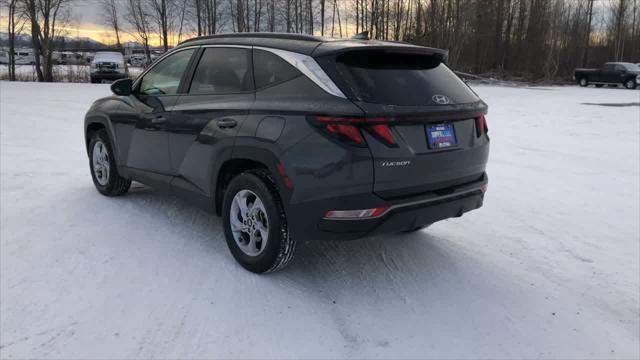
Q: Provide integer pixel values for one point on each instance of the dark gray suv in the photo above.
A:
(294, 137)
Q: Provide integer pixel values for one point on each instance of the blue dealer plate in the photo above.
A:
(441, 136)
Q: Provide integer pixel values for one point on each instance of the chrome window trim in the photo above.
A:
(304, 63)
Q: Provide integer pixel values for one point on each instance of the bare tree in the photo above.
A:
(47, 18)
(139, 19)
(15, 25)
(159, 12)
(112, 18)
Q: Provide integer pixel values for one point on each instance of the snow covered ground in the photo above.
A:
(549, 268)
(64, 73)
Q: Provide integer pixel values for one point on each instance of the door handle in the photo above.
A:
(159, 120)
(227, 123)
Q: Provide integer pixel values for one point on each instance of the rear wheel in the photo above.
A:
(255, 224)
(583, 82)
(103, 166)
(630, 84)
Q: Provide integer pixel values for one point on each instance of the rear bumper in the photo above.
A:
(307, 221)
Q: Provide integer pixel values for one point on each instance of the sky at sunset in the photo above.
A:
(86, 21)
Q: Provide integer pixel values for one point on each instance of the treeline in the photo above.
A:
(529, 39)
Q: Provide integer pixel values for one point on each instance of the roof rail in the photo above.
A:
(264, 35)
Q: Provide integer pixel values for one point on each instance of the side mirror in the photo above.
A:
(122, 87)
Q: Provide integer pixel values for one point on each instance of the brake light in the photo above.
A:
(384, 133)
(481, 126)
(349, 131)
(349, 128)
(355, 214)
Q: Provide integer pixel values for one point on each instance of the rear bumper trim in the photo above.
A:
(414, 203)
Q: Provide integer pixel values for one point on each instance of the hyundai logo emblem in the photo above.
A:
(440, 99)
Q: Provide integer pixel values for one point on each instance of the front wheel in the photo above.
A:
(630, 84)
(103, 166)
(583, 82)
(255, 224)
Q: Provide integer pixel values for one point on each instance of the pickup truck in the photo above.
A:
(612, 73)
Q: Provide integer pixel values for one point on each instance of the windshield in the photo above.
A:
(631, 67)
(112, 57)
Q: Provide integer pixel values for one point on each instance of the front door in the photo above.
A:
(608, 73)
(150, 110)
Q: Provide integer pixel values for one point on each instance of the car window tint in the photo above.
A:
(608, 67)
(270, 69)
(222, 71)
(164, 78)
(400, 79)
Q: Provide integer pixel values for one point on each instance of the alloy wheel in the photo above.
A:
(101, 166)
(249, 222)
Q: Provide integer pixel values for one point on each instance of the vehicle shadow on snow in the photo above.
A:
(327, 269)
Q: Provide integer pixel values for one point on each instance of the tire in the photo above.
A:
(94, 81)
(254, 254)
(583, 82)
(104, 171)
(630, 84)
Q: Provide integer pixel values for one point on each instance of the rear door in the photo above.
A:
(427, 136)
(209, 114)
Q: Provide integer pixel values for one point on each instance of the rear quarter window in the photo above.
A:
(399, 79)
(270, 69)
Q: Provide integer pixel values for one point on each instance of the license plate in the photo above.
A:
(441, 136)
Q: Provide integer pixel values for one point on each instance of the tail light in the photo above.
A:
(349, 129)
(355, 214)
(383, 132)
(481, 126)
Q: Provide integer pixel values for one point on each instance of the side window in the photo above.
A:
(270, 69)
(608, 67)
(222, 71)
(164, 78)
(620, 68)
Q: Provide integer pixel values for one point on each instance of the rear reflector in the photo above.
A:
(481, 126)
(285, 177)
(355, 214)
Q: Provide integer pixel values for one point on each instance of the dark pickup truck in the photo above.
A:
(613, 73)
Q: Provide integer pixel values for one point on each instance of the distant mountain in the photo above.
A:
(24, 40)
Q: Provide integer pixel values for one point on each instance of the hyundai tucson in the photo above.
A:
(292, 138)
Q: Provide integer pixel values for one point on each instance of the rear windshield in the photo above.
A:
(400, 79)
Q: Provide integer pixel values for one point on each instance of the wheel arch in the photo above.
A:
(95, 122)
(632, 78)
(245, 158)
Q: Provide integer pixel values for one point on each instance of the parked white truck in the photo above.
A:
(107, 66)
